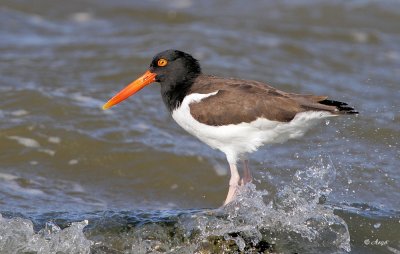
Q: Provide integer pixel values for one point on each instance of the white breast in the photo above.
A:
(237, 139)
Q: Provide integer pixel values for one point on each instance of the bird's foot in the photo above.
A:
(234, 183)
(245, 180)
(233, 188)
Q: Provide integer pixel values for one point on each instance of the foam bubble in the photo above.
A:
(15, 187)
(220, 170)
(87, 101)
(20, 112)
(48, 151)
(81, 17)
(73, 162)
(55, 140)
(8, 177)
(360, 37)
(27, 142)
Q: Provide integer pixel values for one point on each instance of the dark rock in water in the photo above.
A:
(217, 244)
(164, 232)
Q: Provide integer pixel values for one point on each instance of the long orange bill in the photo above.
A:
(147, 78)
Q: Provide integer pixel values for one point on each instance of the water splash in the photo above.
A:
(294, 221)
(18, 236)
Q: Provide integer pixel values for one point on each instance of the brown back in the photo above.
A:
(240, 101)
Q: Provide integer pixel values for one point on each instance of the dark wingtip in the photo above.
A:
(342, 107)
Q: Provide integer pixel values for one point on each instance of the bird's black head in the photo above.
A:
(173, 69)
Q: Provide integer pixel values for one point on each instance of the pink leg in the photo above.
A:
(233, 183)
(247, 178)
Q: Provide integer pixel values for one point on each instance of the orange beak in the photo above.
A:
(147, 78)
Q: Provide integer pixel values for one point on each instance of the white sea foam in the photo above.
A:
(10, 182)
(19, 112)
(18, 236)
(360, 36)
(54, 140)
(81, 17)
(219, 168)
(27, 142)
(7, 177)
(48, 151)
(87, 101)
(73, 162)
(295, 211)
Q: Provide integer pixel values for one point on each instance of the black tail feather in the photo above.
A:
(342, 107)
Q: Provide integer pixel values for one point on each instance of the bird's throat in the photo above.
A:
(174, 93)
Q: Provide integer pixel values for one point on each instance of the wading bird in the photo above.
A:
(233, 115)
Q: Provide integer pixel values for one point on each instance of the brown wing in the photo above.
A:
(240, 101)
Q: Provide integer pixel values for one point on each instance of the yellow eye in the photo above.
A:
(162, 62)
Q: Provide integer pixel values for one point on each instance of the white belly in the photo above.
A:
(237, 139)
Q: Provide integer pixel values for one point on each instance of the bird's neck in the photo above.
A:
(174, 92)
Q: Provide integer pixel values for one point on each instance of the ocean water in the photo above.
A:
(77, 179)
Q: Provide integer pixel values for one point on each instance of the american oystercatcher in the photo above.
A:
(233, 115)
